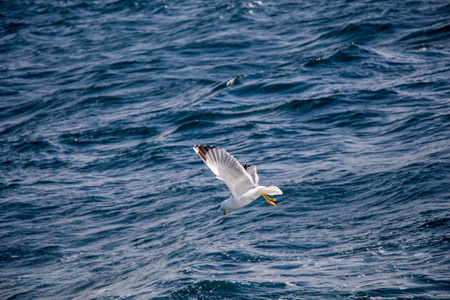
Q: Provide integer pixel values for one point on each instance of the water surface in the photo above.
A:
(344, 105)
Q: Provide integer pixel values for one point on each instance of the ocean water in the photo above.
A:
(345, 105)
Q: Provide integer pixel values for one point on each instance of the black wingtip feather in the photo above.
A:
(202, 150)
(246, 166)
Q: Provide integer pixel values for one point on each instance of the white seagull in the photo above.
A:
(241, 180)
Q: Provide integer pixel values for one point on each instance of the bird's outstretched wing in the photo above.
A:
(251, 170)
(226, 168)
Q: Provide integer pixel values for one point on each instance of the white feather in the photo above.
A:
(241, 181)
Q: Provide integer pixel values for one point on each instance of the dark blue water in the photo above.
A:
(345, 105)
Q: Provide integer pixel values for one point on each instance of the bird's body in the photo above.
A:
(241, 180)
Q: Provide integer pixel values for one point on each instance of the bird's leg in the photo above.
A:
(268, 200)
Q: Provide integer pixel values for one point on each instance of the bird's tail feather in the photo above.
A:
(271, 190)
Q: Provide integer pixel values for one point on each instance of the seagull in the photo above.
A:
(241, 180)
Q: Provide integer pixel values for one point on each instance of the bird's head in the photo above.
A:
(223, 208)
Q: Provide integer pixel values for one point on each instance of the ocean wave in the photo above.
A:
(344, 105)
